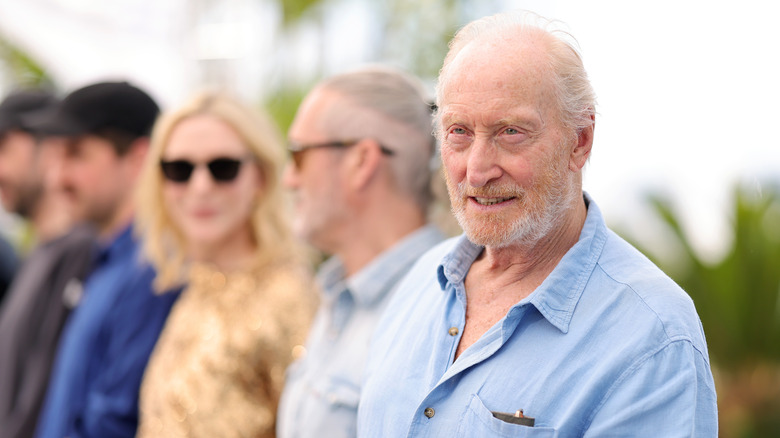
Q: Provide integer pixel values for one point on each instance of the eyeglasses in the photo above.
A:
(222, 169)
(297, 149)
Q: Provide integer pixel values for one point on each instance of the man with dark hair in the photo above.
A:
(108, 338)
(21, 175)
(35, 309)
(21, 179)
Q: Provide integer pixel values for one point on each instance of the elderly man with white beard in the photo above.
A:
(539, 321)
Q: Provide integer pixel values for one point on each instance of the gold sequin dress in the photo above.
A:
(218, 367)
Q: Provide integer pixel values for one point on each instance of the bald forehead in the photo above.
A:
(497, 79)
(504, 61)
(310, 119)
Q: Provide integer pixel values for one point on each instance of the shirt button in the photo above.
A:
(429, 412)
(453, 331)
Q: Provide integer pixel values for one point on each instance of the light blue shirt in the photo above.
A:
(321, 395)
(607, 345)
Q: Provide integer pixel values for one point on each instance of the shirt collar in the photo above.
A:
(375, 279)
(120, 244)
(557, 296)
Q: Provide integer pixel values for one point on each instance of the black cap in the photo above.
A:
(19, 104)
(105, 105)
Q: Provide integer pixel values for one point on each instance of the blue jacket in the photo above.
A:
(104, 348)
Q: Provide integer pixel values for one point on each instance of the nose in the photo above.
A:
(63, 176)
(482, 164)
(201, 180)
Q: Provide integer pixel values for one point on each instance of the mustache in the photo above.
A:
(490, 191)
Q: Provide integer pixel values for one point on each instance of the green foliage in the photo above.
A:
(737, 297)
(24, 70)
(293, 10)
(417, 33)
(738, 301)
(283, 104)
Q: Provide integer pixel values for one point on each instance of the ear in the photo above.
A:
(363, 163)
(136, 154)
(581, 152)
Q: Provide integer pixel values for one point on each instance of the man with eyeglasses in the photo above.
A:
(361, 147)
(108, 338)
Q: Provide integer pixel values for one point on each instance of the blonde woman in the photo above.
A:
(211, 213)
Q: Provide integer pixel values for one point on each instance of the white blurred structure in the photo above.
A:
(687, 91)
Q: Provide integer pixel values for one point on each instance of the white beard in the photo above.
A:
(541, 206)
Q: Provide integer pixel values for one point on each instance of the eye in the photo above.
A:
(457, 137)
(458, 132)
(512, 137)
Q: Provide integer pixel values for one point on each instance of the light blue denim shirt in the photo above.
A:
(607, 345)
(321, 394)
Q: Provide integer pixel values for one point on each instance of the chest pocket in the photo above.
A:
(338, 393)
(337, 401)
(479, 421)
(335, 391)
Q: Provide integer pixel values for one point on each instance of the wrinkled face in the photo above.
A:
(505, 154)
(320, 204)
(95, 179)
(210, 213)
(20, 175)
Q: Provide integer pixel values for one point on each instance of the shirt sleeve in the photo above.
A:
(668, 393)
(131, 331)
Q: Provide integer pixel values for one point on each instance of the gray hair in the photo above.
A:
(575, 97)
(392, 108)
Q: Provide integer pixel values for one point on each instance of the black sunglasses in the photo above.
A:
(297, 149)
(222, 169)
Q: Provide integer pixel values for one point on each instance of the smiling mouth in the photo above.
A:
(490, 201)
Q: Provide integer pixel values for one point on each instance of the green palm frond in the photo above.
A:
(736, 297)
(23, 69)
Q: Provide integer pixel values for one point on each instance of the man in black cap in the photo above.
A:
(34, 312)
(20, 181)
(108, 338)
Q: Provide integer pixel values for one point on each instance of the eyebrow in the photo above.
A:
(533, 124)
(525, 117)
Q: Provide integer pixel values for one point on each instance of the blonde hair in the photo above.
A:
(163, 243)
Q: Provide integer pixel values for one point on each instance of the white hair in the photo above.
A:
(576, 100)
(392, 108)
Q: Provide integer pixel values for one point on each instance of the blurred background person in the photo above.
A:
(25, 188)
(108, 338)
(361, 146)
(36, 308)
(20, 179)
(212, 214)
(9, 263)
